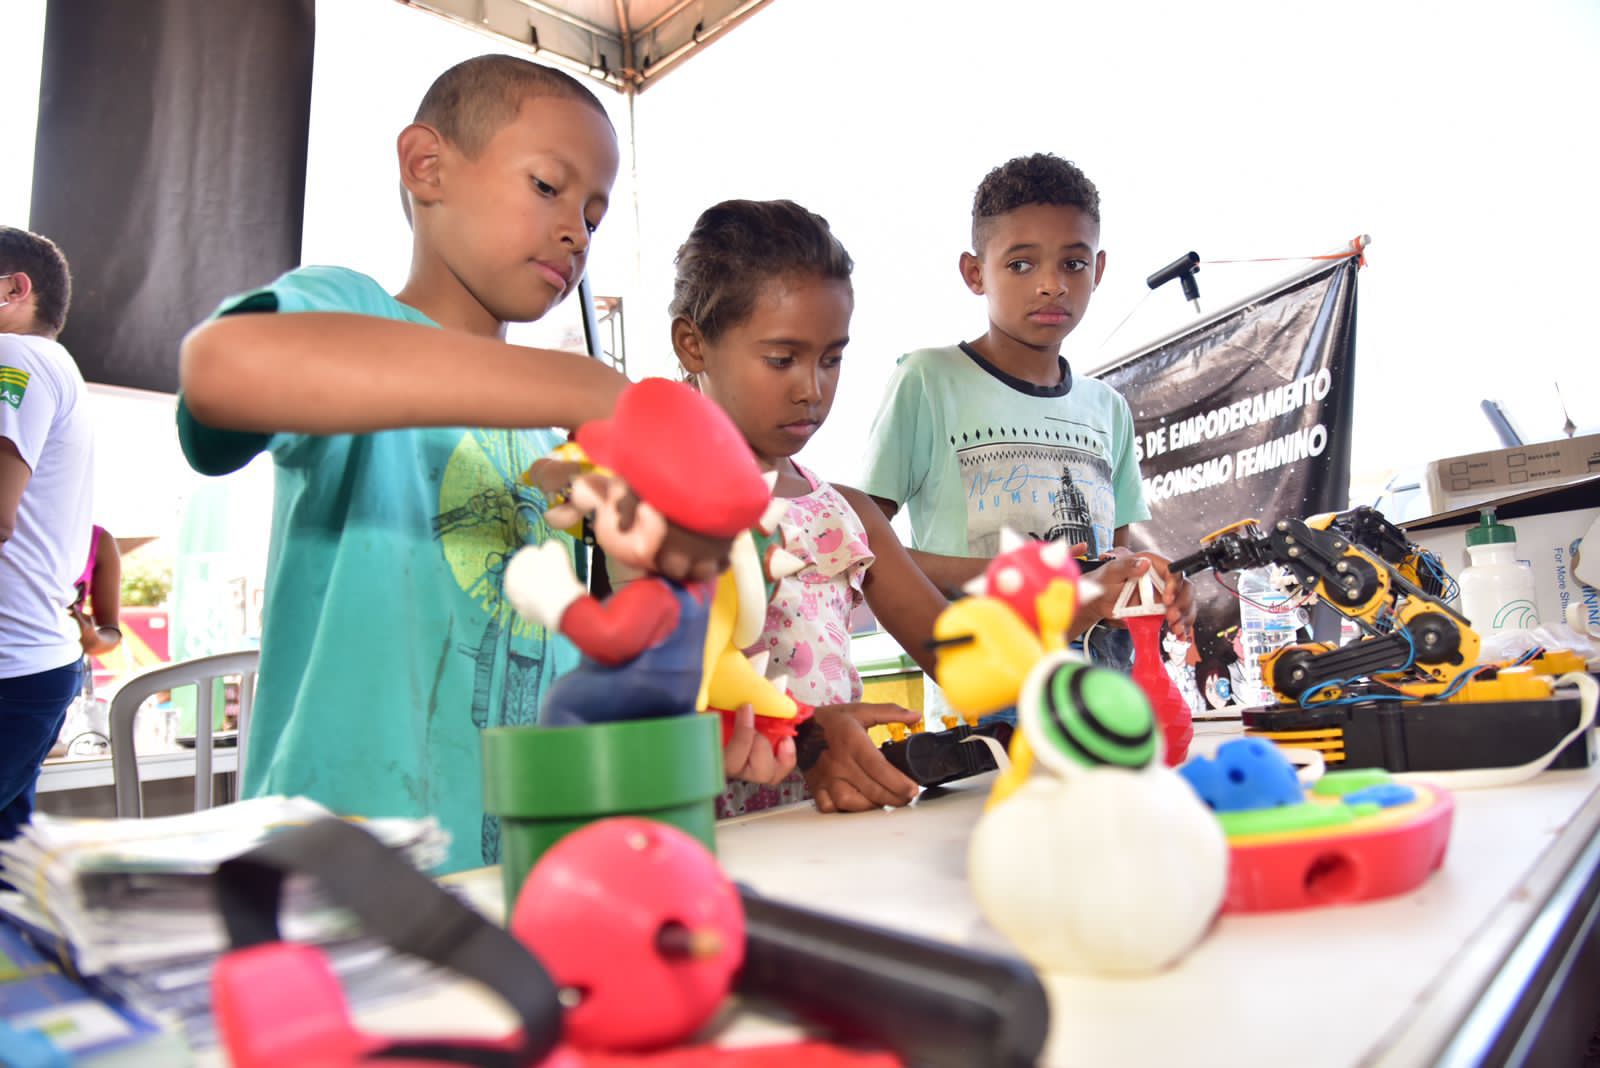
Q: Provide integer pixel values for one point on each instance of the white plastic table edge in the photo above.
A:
(81, 773)
(1446, 1025)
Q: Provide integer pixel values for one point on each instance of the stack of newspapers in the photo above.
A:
(129, 905)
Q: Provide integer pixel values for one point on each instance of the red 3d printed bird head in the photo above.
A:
(1026, 571)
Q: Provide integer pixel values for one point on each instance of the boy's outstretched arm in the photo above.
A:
(950, 573)
(897, 590)
(334, 373)
(947, 573)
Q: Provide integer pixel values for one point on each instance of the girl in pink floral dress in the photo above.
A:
(761, 316)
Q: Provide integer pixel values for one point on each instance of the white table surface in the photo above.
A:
(1383, 983)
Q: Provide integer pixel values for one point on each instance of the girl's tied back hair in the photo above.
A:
(738, 246)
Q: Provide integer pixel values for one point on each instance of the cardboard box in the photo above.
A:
(1551, 525)
(1463, 481)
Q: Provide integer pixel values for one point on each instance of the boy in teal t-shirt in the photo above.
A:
(386, 642)
(998, 432)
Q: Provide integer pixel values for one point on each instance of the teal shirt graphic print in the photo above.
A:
(971, 451)
(387, 645)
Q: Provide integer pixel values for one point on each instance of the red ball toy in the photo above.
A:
(637, 920)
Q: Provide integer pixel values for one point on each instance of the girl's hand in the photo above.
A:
(750, 758)
(851, 775)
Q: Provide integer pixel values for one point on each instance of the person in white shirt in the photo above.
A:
(46, 460)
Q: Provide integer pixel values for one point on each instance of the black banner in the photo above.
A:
(1247, 415)
(170, 166)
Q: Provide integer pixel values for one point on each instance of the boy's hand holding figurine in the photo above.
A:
(670, 488)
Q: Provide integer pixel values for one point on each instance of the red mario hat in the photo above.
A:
(682, 455)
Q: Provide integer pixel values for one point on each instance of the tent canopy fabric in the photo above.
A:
(628, 44)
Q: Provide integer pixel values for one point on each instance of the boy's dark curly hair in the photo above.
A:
(1041, 178)
(738, 246)
(22, 252)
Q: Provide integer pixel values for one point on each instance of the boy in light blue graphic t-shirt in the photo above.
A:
(998, 432)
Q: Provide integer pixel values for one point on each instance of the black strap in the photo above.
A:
(405, 909)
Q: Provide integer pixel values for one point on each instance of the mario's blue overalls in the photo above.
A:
(663, 680)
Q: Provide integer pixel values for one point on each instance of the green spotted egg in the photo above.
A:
(1077, 716)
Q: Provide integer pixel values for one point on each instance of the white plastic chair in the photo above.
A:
(200, 673)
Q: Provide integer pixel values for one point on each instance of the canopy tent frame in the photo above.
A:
(627, 44)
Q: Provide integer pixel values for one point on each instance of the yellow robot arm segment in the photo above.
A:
(1231, 528)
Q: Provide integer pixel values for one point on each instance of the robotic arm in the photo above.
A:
(1413, 644)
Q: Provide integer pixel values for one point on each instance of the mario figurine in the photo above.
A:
(672, 484)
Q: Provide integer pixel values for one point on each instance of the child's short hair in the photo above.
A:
(738, 246)
(472, 100)
(38, 257)
(1041, 178)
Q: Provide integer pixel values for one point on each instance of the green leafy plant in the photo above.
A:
(146, 582)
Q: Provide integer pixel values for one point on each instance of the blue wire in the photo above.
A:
(1467, 676)
(1363, 699)
(1460, 681)
(1411, 658)
(1411, 651)
(1307, 698)
(1448, 587)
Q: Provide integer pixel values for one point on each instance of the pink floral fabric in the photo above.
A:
(807, 633)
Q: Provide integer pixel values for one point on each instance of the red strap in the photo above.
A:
(809, 1054)
(1356, 248)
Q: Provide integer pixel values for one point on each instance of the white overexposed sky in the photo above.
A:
(1459, 136)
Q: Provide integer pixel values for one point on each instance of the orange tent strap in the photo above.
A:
(1357, 248)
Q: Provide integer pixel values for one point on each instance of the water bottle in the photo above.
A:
(1263, 626)
(1497, 590)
